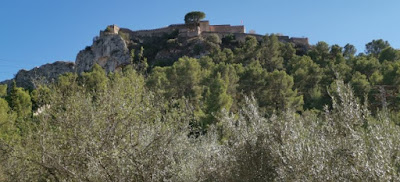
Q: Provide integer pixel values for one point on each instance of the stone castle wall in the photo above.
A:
(299, 41)
(183, 30)
(227, 29)
(204, 26)
(205, 29)
(148, 33)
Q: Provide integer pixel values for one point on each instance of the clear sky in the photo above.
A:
(36, 32)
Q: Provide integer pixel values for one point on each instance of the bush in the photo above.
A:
(344, 144)
(126, 133)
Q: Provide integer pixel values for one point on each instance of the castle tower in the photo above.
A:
(111, 29)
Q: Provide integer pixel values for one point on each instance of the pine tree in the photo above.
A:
(20, 101)
(217, 99)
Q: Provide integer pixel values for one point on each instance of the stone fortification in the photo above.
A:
(227, 29)
(302, 41)
(182, 29)
(185, 30)
(149, 33)
(204, 29)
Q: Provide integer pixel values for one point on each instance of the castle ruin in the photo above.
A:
(186, 30)
(203, 29)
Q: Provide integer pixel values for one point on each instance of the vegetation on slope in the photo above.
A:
(252, 111)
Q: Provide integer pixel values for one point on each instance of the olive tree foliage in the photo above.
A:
(122, 134)
(343, 144)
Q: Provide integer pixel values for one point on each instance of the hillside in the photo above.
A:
(201, 102)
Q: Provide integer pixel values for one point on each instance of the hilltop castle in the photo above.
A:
(203, 29)
(183, 29)
(111, 50)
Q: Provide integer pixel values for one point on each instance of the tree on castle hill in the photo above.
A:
(20, 101)
(194, 17)
(349, 51)
(376, 46)
(3, 90)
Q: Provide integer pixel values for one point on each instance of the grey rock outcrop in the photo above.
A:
(109, 51)
(44, 74)
(7, 82)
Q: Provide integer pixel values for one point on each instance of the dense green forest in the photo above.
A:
(246, 111)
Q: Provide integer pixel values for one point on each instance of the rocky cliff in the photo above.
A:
(109, 51)
(44, 74)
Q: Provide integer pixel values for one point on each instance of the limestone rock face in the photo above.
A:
(109, 51)
(44, 74)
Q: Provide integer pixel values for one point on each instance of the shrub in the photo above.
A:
(126, 133)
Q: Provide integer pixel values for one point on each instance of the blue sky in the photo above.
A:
(37, 32)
